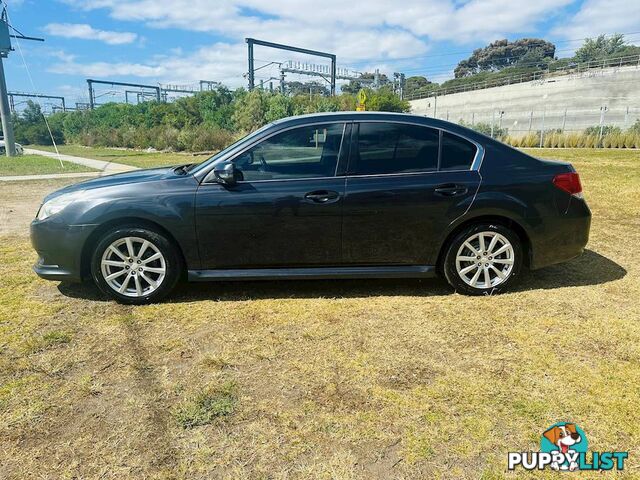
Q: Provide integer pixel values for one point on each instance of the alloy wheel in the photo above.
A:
(485, 260)
(133, 266)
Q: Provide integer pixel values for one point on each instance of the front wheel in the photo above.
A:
(135, 265)
(483, 259)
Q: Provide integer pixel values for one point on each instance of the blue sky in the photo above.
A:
(183, 41)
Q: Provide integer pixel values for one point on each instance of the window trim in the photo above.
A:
(476, 163)
(207, 178)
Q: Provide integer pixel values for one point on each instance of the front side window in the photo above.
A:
(302, 152)
(385, 148)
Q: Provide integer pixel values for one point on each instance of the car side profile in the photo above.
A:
(332, 195)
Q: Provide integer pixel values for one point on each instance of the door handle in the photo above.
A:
(450, 190)
(322, 196)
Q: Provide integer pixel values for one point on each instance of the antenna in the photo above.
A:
(5, 48)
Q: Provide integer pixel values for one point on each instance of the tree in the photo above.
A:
(299, 88)
(30, 126)
(250, 110)
(278, 106)
(503, 53)
(385, 100)
(354, 86)
(32, 113)
(417, 84)
(603, 47)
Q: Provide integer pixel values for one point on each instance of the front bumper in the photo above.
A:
(59, 247)
(53, 272)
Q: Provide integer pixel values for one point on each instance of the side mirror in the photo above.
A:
(226, 173)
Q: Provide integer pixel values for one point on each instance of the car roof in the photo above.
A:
(382, 116)
(351, 115)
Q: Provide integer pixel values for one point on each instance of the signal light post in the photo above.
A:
(5, 109)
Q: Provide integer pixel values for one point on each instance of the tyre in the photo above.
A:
(135, 265)
(483, 259)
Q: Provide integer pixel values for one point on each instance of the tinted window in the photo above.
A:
(457, 153)
(395, 148)
(303, 152)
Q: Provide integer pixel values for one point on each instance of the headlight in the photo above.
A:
(57, 204)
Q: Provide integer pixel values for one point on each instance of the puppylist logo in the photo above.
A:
(563, 447)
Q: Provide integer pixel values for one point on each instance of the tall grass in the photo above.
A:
(554, 139)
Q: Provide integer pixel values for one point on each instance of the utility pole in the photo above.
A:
(603, 110)
(250, 59)
(91, 97)
(493, 120)
(7, 127)
(5, 110)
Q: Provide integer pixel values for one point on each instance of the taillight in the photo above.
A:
(569, 182)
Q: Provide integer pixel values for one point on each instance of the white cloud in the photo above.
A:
(307, 19)
(602, 16)
(375, 33)
(87, 32)
(220, 62)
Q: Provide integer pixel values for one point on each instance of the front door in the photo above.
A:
(406, 184)
(286, 209)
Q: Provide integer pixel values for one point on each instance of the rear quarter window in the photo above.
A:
(457, 153)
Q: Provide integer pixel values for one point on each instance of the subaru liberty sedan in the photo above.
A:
(333, 195)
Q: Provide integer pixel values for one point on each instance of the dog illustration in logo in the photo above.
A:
(564, 437)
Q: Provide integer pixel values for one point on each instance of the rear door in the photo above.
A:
(406, 183)
(286, 211)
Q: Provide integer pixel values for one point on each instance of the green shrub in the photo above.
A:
(606, 130)
(203, 138)
(485, 129)
(165, 138)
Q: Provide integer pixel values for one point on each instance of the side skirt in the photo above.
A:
(315, 273)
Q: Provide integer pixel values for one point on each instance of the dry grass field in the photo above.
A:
(324, 380)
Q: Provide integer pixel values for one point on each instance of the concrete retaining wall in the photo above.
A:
(570, 102)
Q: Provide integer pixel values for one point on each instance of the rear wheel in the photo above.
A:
(135, 265)
(483, 259)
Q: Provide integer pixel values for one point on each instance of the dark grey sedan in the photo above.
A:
(335, 195)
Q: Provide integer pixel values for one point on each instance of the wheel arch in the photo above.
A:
(499, 219)
(134, 222)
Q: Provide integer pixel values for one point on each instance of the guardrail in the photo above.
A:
(631, 60)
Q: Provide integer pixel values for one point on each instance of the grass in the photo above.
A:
(331, 379)
(37, 165)
(207, 405)
(136, 158)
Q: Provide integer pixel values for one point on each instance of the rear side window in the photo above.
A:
(457, 153)
(385, 148)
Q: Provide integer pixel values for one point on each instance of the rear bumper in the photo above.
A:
(59, 247)
(561, 238)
